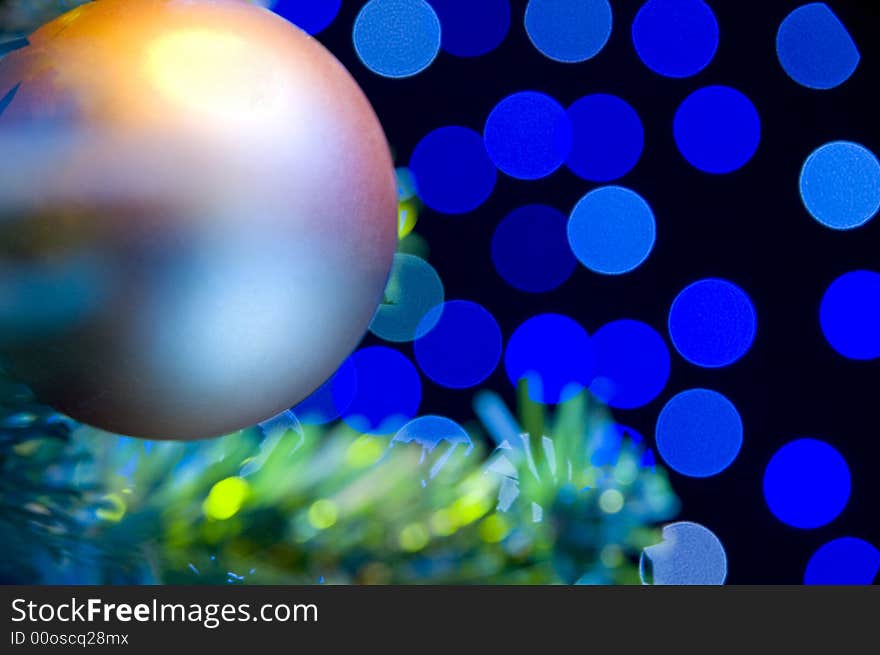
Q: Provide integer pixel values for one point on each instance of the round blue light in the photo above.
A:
(413, 290)
(452, 171)
(471, 29)
(815, 48)
(612, 230)
(397, 38)
(329, 401)
(311, 16)
(530, 249)
(699, 433)
(430, 431)
(632, 364)
(388, 394)
(528, 135)
(712, 323)
(690, 554)
(553, 354)
(464, 346)
(840, 185)
(843, 561)
(569, 31)
(675, 38)
(717, 129)
(850, 315)
(806, 483)
(607, 138)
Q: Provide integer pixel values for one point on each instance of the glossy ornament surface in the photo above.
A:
(199, 213)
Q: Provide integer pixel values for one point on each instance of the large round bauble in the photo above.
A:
(197, 215)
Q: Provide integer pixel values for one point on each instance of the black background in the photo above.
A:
(749, 227)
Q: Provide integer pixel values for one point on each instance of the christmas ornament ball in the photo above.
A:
(198, 215)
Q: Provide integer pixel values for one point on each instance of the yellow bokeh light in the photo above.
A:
(323, 514)
(364, 451)
(407, 217)
(611, 501)
(226, 498)
(414, 537)
(443, 523)
(494, 528)
(115, 509)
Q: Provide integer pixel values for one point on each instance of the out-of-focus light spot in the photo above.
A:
(553, 354)
(452, 170)
(471, 29)
(699, 433)
(430, 431)
(530, 249)
(406, 184)
(850, 315)
(494, 528)
(569, 31)
(464, 346)
(226, 498)
(632, 364)
(612, 230)
(388, 394)
(717, 129)
(414, 537)
(311, 16)
(443, 523)
(815, 49)
(113, 510)
(364, 451)
(689, 554)
(607, 138)
(675, 38)
(712, 323)
(407, 217)
(323, 514)
(611, 501)
(843, 561)
(807, 483)
(331, 399)
(528, 135)
(413, 290)
(397, 38)
(840, 185)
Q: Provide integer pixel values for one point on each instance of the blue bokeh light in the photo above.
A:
(464, 346)
(807, 483)
(690, 554)
(311, 16)
(530, 249)
(612, 230)
(569, 31)
(717, 129)
(452, 170)
(413, 290)
(607, 138)
(553, 354)
(850, 315)
(329, 401)
(397, 38)
(430, 431)
(840, 185)
(843, 561)
(712, 323)
(389, 391)
(528, 135)
(675, 38)
(699, 433)
(471, 29)
(632, 364)
(815, 49)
